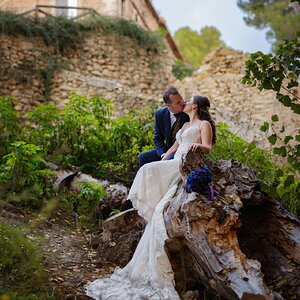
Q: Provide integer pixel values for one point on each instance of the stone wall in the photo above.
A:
(24, 5)
(111, 66)
(136, 10)
(141, 12)
(116, 68)
(242, 106)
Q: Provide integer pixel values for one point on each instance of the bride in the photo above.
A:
(149, 274)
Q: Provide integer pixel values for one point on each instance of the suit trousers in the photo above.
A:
(150, 156)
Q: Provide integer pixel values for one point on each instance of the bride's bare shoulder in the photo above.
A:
(204, 124)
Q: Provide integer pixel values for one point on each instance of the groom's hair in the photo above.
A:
(170, 91)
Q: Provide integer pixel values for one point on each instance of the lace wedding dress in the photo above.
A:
(149, 274)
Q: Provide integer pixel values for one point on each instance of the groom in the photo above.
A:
(168, 120)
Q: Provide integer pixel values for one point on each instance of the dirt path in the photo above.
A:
(69, 259)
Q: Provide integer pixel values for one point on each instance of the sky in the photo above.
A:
(222, 14)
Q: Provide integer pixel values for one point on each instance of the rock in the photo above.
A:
(120, 236)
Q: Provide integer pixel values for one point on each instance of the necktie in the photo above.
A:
(175, 127)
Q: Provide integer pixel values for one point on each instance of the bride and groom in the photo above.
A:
(149, 274)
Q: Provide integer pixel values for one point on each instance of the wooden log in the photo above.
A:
(241, 245)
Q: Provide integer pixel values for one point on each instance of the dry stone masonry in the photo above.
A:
(242, 106)
(116, 68)
(111, 66)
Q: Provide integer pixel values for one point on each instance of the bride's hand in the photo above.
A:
(194, 147)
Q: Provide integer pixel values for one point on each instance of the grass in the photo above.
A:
(22, 273)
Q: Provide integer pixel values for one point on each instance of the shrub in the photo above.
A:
(232, 146)
(24, 168)
(9, 126)
(41, 128)
(181, 70)
(127, 137)
(275, 180)
(85, 203)
(83, 128)
(20, 265)
(60, 32)
(280, 72)
(77, 135)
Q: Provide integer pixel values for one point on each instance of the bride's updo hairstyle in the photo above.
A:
(203, 106)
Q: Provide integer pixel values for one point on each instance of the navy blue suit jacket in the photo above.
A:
(162, 132)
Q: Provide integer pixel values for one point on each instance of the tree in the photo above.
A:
(195, 46)
(280, 73)
(282, 17)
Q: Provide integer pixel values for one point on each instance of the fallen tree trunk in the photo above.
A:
(242, 245)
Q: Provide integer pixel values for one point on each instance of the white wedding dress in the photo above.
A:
(149, 274)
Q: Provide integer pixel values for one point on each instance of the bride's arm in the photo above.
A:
(171, 150)
(175, 145)
(206, 138)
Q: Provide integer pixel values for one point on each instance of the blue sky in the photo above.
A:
(223, 14)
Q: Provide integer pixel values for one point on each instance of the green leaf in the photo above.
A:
(279, 173)
(292, 83)
(268, 189)
(284, 99)
(272, 139)
(289, 180)
(287, 139)
(297, 137)
(114, 212)
(280, 151)
(267, 85)
(275, 118)
(295, 108)
(264, 127)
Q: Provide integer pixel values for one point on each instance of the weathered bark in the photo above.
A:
(242, 245)
(116, 194)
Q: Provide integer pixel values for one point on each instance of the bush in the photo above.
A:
(83, 135)
(181, 70)
(41, 127)
(74, 136)
(83, 129)
(24, 168)
(232, 146)
(21, 269)
(275, 180)
(127, 137)
(85, 203)
(9, 125)
(280, 72)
